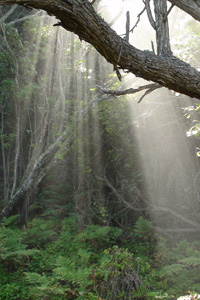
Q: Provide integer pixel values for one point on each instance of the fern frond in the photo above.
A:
(190, 261)
(171, 270)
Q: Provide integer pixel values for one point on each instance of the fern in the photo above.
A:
(19, 254)
(190, 261)
(9, 221)
(43, 286)
(68, 271)
(171, 270)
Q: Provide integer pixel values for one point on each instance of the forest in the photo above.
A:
(99, 150)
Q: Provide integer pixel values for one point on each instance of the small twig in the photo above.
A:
(138, 20)
(126, 37)
(150, 90)
(127, 26)
(152, 46)
(117, 72)
(120, 51)
(116, 18)
(168, 12)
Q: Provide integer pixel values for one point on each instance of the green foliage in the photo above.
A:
(13, 250)
(38, 262)
(52, 259)
(181, 270)
(117, 274)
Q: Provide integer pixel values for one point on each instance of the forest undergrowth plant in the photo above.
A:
(181, 269)
(94, 263)
(116, 277)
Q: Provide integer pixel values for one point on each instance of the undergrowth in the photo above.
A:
(56, 260)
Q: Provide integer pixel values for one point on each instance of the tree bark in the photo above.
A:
(191, 7)
(162, 28)
(81, 18)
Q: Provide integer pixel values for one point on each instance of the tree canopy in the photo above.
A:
(162, 67)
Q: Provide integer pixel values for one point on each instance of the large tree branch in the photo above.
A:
(191, 7)
(82, 19)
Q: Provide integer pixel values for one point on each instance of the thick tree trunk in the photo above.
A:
(80, 17)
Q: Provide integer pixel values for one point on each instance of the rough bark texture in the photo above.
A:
(81, 18)
(161, 27)
(191, 7)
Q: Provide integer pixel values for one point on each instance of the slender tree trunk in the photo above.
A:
(5, 182)
(17, 151)
(162, 28)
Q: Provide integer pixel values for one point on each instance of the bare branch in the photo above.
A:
(177, 216)
(176, 230)
(150, 90)
(117, 72)
(191, 7)
(26, 17)
(116, 18)
(168, 12)
(129, 91)
(127, 26)
(195, 226)
(138, 20)
(152, 46)
(11, 10)
(149, 14)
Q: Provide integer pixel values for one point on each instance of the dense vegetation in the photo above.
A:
(85, 228)
(52, 259)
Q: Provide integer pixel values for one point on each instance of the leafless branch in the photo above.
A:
(194, 225)
(117, 72)
(116, 18)
(10, 11)
(149, 14)
(176, 230)
(138, 20)
(150, 90)
(118, 195)
(150, 87)
(127, 26)
(152, 46)
(26, 17)
(168, 12)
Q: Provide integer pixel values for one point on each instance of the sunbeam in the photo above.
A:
(99, 173)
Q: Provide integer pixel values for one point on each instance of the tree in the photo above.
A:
(145, 64)
(80, 17)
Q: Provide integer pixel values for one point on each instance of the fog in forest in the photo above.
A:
(71, 152)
